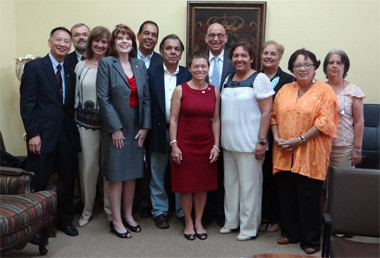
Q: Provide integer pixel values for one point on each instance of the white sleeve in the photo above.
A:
(262, 87)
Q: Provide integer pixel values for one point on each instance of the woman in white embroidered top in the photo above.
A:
(88, 118)
(246, 103)
(346, 148)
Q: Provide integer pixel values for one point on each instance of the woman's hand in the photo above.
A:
(260, 151)
(176, 154)
(214, 154)
(289, 145)
(356, 158)
(118, 139)
(140, 136)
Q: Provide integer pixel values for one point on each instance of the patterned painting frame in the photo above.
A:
(242, 20)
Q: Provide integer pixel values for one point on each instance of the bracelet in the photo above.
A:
(359, 151)
(216, 148)
(302, 138)
(174, 141)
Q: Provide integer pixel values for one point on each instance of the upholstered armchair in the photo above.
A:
(23, 213)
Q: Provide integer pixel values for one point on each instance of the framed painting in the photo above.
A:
(241, 20)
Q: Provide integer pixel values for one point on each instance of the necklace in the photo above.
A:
(94, 63)
(343, 111)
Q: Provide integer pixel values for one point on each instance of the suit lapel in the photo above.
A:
(160, 89)
(137, 73)
(119, 69)
(226, 66)
(49, 71)
(69, 87)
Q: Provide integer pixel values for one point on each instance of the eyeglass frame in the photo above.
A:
(306, 65)
(213, 35)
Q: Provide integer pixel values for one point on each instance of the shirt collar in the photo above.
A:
(221, 56)
(141, 56)
(79, 56)
(54, 61)
(166, 71)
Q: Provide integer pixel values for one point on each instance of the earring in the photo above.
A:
(314, 80)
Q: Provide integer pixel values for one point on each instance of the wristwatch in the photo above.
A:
(261, 142)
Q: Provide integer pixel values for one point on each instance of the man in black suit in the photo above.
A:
(221, 66)
(147, 37)
(163, 78)
(47, 110)
(79, 34)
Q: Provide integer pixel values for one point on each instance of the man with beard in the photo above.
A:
(79, 37)
(79, 34)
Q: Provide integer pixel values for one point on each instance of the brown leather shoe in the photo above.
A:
(283, 241)
(310, 250)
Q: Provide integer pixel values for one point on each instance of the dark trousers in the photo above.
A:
(299, 198)
(142, 196)
(270, 205)
(65, 160)
(215, 199)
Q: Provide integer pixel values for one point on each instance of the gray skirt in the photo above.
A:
(127, 163)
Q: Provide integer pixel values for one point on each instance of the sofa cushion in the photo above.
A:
(23, 214)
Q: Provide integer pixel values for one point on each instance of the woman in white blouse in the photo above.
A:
(246, 103)
(88, 118)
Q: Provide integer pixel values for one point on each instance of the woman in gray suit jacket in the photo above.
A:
(123, 94)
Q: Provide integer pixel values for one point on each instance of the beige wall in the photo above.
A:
(318, 25)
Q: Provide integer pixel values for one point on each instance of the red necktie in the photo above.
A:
(59, 78)
(83, 58)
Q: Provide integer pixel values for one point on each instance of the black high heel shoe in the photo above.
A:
(136, 229)
(121, 235)
(189, 236)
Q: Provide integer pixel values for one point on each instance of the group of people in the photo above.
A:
(248, 148)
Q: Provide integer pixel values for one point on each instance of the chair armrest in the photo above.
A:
(327, 218)
(14, 171)
(326, 235)
(15, 181)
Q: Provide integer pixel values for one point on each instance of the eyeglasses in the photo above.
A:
(219, 35)
(306, 65)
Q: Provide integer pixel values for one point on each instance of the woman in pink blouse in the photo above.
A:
(347, 147)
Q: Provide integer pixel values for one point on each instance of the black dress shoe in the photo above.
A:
(121, 235)
(37, 239)
(69, 230)
(161, 221)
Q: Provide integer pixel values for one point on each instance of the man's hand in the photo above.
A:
(34, 145)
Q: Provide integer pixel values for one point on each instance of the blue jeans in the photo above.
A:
(160, 202)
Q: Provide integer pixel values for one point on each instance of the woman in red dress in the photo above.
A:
(195, 134)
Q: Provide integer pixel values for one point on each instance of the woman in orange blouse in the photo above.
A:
(303, 122)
